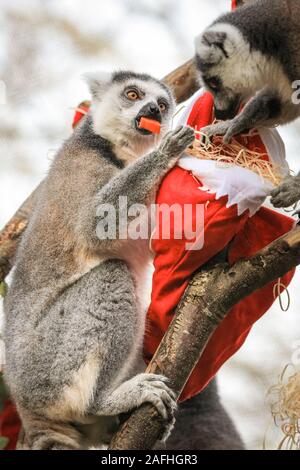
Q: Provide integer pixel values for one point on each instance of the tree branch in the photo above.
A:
(208, 298)
(10, 235)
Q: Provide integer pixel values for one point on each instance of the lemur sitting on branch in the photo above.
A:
(252, 56)
(74, 326)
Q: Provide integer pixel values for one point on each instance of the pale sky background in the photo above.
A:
(46, 46)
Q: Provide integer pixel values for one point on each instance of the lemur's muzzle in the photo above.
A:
(230, 112)
(150, 111)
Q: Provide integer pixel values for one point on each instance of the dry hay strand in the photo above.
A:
(285, 408)
(235, 154)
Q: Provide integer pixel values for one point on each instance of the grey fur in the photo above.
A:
(288, 193)
(73, 323)
(240, 50)
(253, 52)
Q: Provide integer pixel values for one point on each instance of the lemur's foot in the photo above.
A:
(288, 193)
(228, 129)
(175, 142)
(154, 390)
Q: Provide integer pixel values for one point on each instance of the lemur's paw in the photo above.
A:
(288, 193)
(228, 129)
(220, 128)
(154, 389)
(175, 142)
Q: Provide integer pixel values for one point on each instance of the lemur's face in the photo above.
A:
(121, 100)
(226, 68)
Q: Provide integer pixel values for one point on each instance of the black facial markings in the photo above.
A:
(213, 83)
(162, 100)
(275, 107)
(217, 39)
(221, 46)
(98, 143)
(201, 64)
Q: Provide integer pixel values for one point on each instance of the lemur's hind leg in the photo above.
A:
(86, 377)
(42, 434)
(112, 325)
(109, 326)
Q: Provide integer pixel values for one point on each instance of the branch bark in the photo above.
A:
(208, 298)
(11, 234)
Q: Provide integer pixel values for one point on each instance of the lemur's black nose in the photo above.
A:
(154, 109)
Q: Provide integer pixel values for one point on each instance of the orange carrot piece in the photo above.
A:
(150, 125)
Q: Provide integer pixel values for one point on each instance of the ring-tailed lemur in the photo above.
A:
(74, 327)
(253, 54)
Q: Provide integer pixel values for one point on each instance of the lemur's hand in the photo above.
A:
(288, 193)
(228, 129)
(175, 142)
(154, 389)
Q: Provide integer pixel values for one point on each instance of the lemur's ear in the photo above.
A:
(98, 82)
(211, 47)
(214, 38)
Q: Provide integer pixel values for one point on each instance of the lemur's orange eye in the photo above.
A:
(132, 95)
(162, 107)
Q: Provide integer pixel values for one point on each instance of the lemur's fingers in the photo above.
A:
(166, 405)
(219, 128)
(285, 199)
(177, 141)
(236, 127)
(163, 386)
(171, 134)
(155, 390)
(226, 128)
(160, 381)
(287, 194)
(183, 135)
(184, 139)
(291, 182)
(275, 192)
(229, 135)
(177, 130)
(161, 399)
(186, 136)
